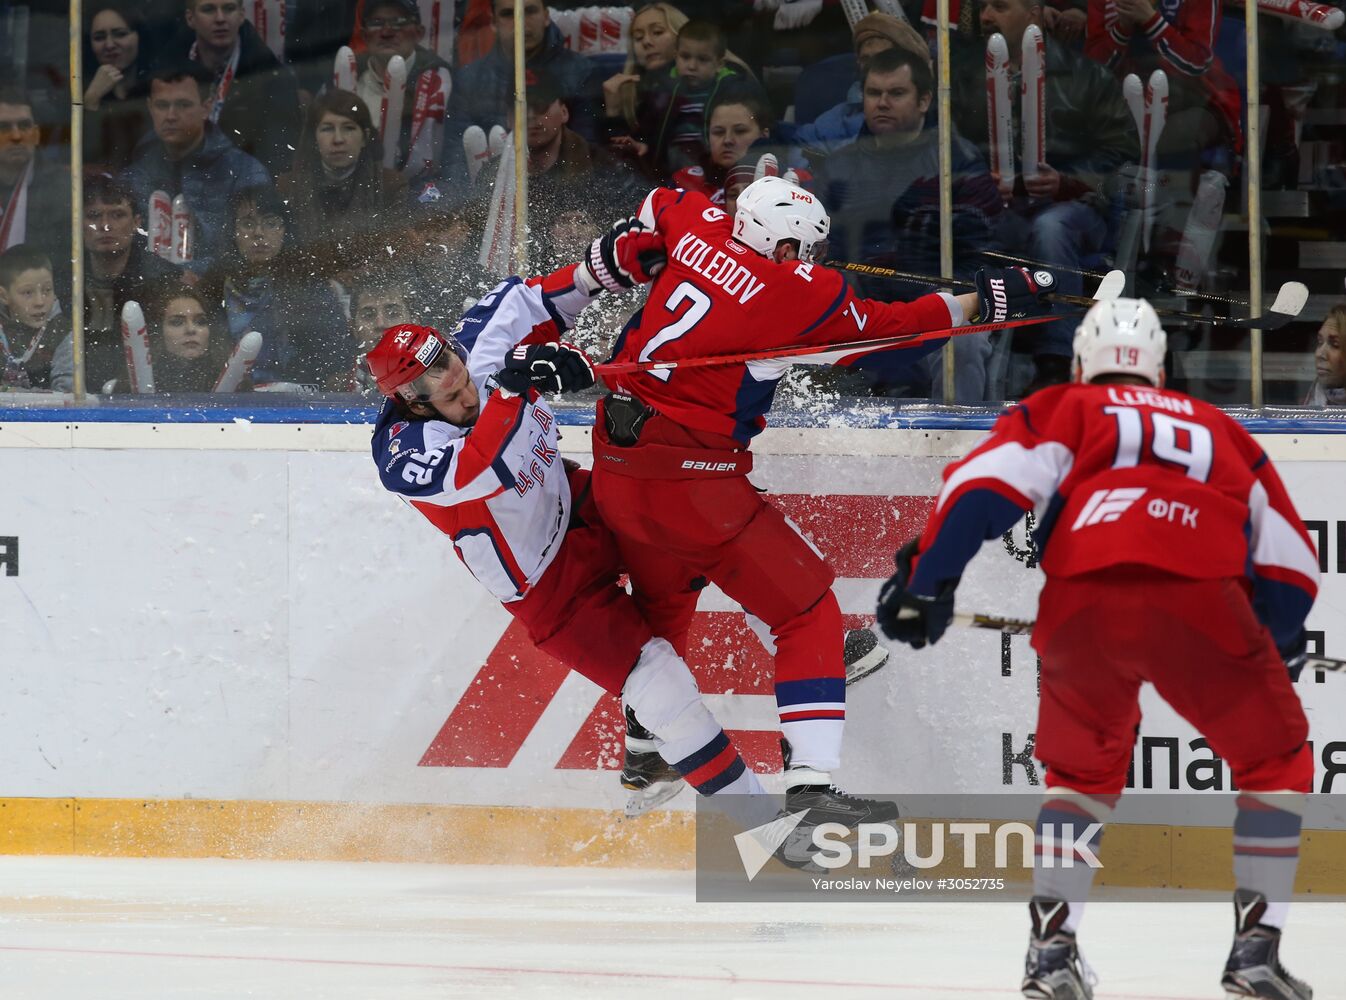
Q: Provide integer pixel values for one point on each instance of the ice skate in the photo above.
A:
(811, 789)
(1054, 968)
(649, 778)
(1254, 968)
(863, 653)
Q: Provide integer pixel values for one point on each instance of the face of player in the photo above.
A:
(545, 124)
(697, 63)
(449, 391)
(258, 236)
(178, 113)
(30, 296)
(1330, 358)
(112, 40)
(216, 22)
(186, 332)
(891, 104)
(374, 312)
(390, 31)
(18, 139)
(732, 130)
(535, 21)
(1010, 18)
(112, 227)
(340, 141)
(653, 43)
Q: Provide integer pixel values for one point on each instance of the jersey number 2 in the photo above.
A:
(692, 315)
(1179, 442)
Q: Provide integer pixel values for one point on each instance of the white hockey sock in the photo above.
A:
(1063, 848)
(1266, 848)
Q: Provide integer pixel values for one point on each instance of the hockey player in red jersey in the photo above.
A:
(465, 438)
(1173, 555)
(671, 455)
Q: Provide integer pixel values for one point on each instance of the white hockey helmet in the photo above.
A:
(1120, 337)
(771, 209)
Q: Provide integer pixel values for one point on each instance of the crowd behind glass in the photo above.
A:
(242, 175)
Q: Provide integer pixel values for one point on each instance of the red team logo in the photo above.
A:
(507, 697)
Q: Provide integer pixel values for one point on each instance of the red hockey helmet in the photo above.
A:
(405, 353)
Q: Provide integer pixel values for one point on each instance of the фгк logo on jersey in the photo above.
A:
(1107, 505)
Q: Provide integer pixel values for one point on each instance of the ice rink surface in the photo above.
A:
(98, 929)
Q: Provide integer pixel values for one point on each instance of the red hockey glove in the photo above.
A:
(546, 368)
(1006, 293)
(626, 255)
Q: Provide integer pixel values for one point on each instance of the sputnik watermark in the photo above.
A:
(1015, 845)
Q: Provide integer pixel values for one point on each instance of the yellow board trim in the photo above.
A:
(1142, 856)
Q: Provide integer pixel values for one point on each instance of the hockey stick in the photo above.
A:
(1290, 300)
(1109, 287)
(850, 347)
(1024, 626)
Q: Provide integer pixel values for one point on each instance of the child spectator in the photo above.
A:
(1329, 360)
(189, 155)
(114, 116)
(700, 72)
(34, 335)
(347, 207)
(188, 349)
(264, 283)
(118, 267)
(393, 28)
(253, 98)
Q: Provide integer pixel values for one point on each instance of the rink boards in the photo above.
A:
(229, 640)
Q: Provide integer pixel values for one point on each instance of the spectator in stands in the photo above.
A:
(347, 206)
(265, 283)
(739, 119)
(379, 300)
(189, 155)
(118, 269)
(679, 138)
(393, 28)
(38, 352)
(1066, 20)
(1329, 361)
(188, 346)
(440, 261)
(1061, 215)
(35, 198)
(253, 98)
(114, 114)
(483, 94)
(840, 124)
(883, 194)
(1204, 104)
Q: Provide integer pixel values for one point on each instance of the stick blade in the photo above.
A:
(1111, 286)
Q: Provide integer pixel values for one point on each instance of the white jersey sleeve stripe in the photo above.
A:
(1035, 473)
(1275, 542)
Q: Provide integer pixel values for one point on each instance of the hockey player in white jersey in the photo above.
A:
(466, 439)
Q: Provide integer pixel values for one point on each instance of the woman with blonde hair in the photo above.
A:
(1329, 360)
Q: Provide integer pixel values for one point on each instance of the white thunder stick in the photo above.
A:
(136, 343)
(999, 126)
(182, 249)
(344, 69)
(159, 222)
(1156, 116)
(1034, 69)
(427, 121)
(394, 97)
(240, 362)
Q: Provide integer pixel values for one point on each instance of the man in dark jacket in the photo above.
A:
(483, 93)
(34, 196)
(1060, 216)
(393, 28)
(118, 269)
(255, 100)
(883, 195)
(188, 155)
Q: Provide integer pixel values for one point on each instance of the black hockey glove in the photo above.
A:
(1006, 293)
(626, 255)
(546, 368)
(1295, 653)
(913, 618)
